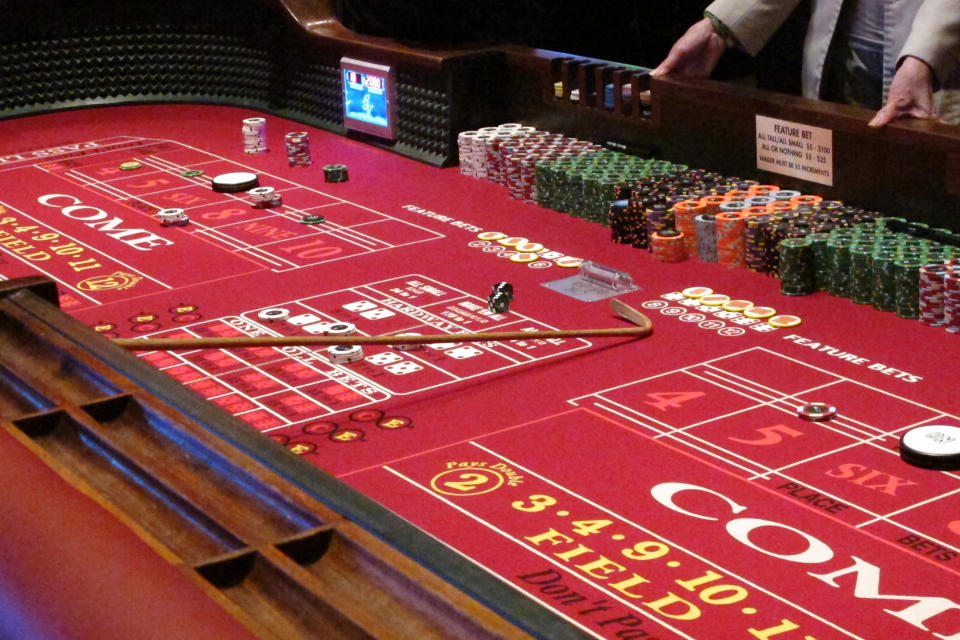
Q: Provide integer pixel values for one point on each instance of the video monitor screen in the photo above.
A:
(369, 97)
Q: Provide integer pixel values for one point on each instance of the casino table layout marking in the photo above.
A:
(739, 411)
(226, 235)
(470, 482)
(274, 389)
(623, 537)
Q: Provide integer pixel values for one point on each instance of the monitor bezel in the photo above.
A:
(388, 73)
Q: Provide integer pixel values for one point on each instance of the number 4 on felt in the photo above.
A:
(673, 399)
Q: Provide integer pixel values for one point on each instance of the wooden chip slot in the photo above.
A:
(122, 486)
(252, 509)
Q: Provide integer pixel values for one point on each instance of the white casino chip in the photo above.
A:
(273, 315)
(344, 353)
(235, 181)
(341, 329)
(932, 446)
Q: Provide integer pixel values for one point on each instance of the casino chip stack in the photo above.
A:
(255, 135)
(796, 267)
(265, 197)
(512, 154)
(471, 154)
(173, 217)
(706, 224)
(809, 243)
(274, 314)
(951, 303)
(500, 298)
(933, 288)
(345, 353)
(298, 149)
(668, 245)
(731, 237)
(816, 411)
(234, 182)
(335, 173)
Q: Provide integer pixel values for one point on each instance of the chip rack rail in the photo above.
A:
(285, 549)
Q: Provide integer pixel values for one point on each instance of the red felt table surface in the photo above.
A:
(663, 486)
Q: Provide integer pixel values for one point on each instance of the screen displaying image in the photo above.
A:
(367, 97)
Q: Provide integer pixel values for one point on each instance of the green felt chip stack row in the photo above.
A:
(584, 186)
(868, 263)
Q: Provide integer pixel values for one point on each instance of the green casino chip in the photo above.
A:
(312, 219)
(192, 173)
(335, 173)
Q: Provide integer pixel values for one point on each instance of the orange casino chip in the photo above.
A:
(784, 321)
(529, 247)
(738, 306)
(524, 257)
(714, 299)
(696, 292)
(760, 313)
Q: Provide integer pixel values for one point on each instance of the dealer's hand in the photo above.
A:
(911, 94)
(695, 54)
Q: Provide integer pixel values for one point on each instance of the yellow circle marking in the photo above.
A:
(466, 481)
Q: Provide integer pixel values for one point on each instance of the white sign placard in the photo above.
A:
(794, 149)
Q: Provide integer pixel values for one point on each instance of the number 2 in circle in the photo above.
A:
(467, 482)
